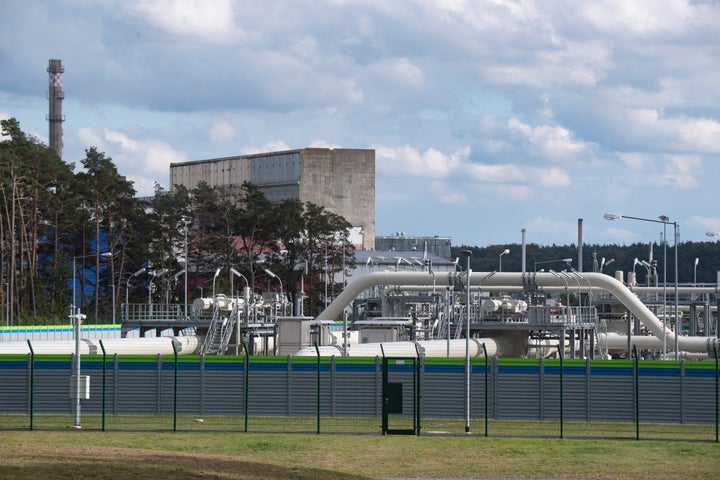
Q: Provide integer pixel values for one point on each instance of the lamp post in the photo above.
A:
(604, 264)
(77, 317)
(217, 272)
(467, 254)
(236, 273)
(505, 252)
(665, 220)
(186, 222)
(127, 292)
(245, 307)
(281, 286)
(697, 260)
(568, 261)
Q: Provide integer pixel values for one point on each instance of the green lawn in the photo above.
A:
(184, 455)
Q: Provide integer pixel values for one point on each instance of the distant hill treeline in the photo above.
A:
(487, 259)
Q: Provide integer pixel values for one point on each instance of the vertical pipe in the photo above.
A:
(524, 251)
(580, 245)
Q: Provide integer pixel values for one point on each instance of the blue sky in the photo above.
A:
(487, 117)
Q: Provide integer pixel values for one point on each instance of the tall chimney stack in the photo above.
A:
(55, 98)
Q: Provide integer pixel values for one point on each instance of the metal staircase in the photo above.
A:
(220, 332)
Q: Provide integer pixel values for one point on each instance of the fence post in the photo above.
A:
(717, 396)
(104, 380)
(418, 389)
(560, 354)
(486, 388)
(32, 384)
(541, 388)
(175, 384)
(246, 387)
(636, 391)
(317, 350)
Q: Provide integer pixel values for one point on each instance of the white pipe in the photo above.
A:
(186, 345)
(491, 280)
(502, 346)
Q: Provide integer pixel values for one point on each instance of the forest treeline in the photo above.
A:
(698, 262)
(53, 219)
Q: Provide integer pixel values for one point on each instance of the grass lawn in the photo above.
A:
(202, 455)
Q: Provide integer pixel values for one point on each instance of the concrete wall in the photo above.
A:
(341, 180)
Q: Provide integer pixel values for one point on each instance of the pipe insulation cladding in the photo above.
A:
(493, 280)
(187, 345)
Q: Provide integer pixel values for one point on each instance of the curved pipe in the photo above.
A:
(542, 279)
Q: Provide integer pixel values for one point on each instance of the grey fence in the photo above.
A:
(508, 397)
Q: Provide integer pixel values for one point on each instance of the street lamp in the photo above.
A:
(697, 260)
(186, 222)
(665, 220)
(246, 307)
(604, 264)
(505, 252)
(127, 292)
(568, 261)
(217, 272)
(77, 317)
(236, 273)
(467, 254)
(281, 286)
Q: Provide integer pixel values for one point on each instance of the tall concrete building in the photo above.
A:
(341, 180)
(55, 97)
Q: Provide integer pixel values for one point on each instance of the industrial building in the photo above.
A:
(341, 180)
(435, 245)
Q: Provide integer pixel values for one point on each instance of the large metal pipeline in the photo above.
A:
(186, 345)
(494, 280)
(501, 345)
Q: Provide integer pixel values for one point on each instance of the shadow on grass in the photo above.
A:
(106, 465)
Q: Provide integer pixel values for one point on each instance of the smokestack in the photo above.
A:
(55, 98)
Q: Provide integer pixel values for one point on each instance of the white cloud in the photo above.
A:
(552, 142)
(680, 171)
(662, 170)
(408, 161)
(705, 223)
(632, 18)
(272, 146)
(675, 133)
(91, 137)
(145, 162)
(221, 131)
(552, 177)
(210, 21)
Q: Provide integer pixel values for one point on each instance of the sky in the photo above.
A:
(487, 117)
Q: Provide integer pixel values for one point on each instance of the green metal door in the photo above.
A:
(400, 396)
